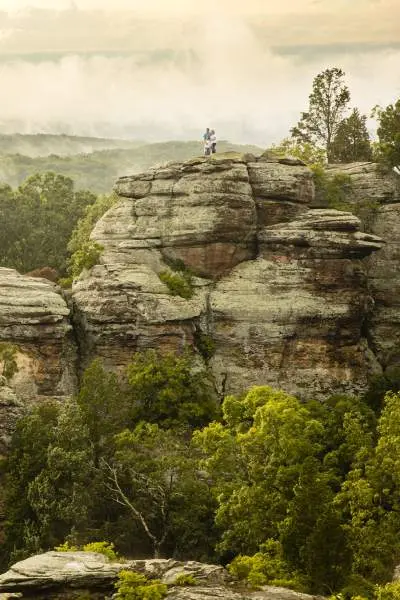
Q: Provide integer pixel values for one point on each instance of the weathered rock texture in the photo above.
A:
(279, 287)
(60, 574)
(35, 318)
(376, 196)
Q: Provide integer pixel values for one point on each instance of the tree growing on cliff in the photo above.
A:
(328, 103)
(351, 142)
(388, 149)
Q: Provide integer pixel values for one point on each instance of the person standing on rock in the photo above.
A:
(207, 143)
(213, 140)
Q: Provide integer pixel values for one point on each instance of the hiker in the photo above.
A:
(207, 147)
(213, 140)
(206, 141)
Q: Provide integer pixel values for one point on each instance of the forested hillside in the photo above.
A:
(88, 166)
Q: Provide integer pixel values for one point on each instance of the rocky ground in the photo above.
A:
(66, 575)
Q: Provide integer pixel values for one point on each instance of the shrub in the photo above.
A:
(66, 547)
(135, 586)
(204, 344)
(8, 360)
(185, 579)
(333, 192)
(265, 567)
(179, 284)
(390, 591)
(105, 548)
(85, 258)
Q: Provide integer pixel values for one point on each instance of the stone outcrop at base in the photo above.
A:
(61, 574)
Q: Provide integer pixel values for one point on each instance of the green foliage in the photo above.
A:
(333, 192)
(8, 360)
(66, 547)
(358, 587)
(135, 586)
(390, 591)
(84, 253)
(106, 548)
(204, 344)
(153, 474)
(327, 104)
(388, 149)
(379, 385)
(351, 142)
(49, 478)
(86, 257)
(36, 221)
(305, 151)
(179, 284)
(266, 567)
(104, 407)
(254, 460)
(170, 390)
(185, 579)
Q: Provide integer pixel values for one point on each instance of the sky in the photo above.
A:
(165, 69)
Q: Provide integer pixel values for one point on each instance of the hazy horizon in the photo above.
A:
(166, 70)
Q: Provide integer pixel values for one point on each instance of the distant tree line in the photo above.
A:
(302, 494)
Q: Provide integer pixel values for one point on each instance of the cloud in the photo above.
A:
(160, 78)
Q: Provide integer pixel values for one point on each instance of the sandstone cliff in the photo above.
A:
(35, 318)
(280, 288)
(284, 291)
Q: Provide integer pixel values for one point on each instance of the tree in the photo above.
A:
(327, 104)
(369, 499)
(351, 142)
(37, 220)
(389, 133)
(254, 460)
(154, 477)
(170, 390)
(50, 472)
(305, 151)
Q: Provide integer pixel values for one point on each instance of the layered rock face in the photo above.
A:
(59, 575)
(35, 319)
(377, 197)
(280, 288)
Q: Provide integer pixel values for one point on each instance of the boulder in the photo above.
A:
(59, 574)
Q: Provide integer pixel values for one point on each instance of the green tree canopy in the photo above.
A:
(38, 219)
(328, 102)
(351, 142)
(170, 390)
(388, 149)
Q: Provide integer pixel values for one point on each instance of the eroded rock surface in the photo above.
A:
(376, 196)
(279, 287)
(59, 574)
(35, 318)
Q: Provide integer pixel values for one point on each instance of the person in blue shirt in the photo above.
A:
(206, 140)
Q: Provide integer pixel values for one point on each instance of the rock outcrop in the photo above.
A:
(280, 288)
(34, 317)
(376, 197)
(61, 574)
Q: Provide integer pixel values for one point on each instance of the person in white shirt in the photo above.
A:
(213, 141)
